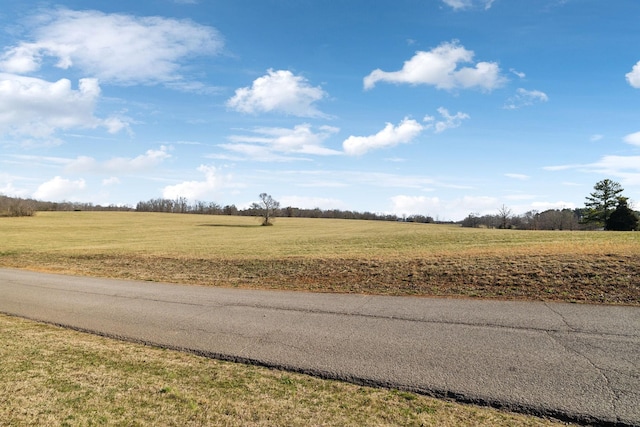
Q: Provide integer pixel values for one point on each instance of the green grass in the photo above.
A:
(53, 376)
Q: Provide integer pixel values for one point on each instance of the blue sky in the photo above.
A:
(432, 107)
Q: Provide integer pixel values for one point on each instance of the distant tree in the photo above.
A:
(504, 213)
(602, 202)
(13, 206)
(268, 208)
(622, 218)
(472, 220)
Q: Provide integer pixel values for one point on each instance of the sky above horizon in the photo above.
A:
(432, 107)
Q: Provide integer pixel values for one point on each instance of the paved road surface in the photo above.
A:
(577, 362)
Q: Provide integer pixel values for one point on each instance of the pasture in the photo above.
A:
(327, 255)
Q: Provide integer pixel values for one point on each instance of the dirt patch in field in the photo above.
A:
(608, 279)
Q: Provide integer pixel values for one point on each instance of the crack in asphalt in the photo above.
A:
(561, 316)
(601, 371)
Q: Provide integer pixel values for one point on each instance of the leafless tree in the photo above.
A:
(504, 213)
(268, 208)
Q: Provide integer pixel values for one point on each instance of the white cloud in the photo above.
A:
(31, 107)
(543, 206)
(633, 77)
(449, 122)
(267, 142)
(596, 137)
(468, 4)
(58, 189)
(115, 48)
(525, 98)
(194, 190)
(279, 91)
(633, 138)
(8, 189)
(146, 161)
(518, 176)
(615, 164)
(518, 73)
(519, 197)
(439, 67)
(413, 205)
(312, 202)
(114, 180)
(624, 168)
(455, 209)
(390, 136)
(387, 180)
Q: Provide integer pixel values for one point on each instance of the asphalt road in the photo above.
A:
(575, 362)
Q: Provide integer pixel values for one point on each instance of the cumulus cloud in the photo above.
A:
(456, 209)
(32, 107)
(448, 120)
(406, 131)
(7, 187)
(633, 138)
(146, 161)
(468, 4)
(439, 67)
(115, 48)
(58, 189)
(525, 98)
(633, 77)
(412, 205)
(279, 91)
(194, 190)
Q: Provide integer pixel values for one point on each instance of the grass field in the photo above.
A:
(330, 255)
(51, 376)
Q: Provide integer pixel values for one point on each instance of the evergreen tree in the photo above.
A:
(602, 202)
(623, 218)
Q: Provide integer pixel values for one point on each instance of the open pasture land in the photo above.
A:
(328, 255)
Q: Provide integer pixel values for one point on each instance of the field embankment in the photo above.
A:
(330, 255)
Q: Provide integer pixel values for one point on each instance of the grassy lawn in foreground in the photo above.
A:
(327, 255)
(53, 376)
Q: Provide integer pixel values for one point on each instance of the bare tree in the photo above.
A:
(268, 208)
(504, 213)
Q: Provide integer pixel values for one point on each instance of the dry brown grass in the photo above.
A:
(330, 255)
(52, 376)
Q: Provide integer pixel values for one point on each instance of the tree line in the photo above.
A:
(605, 208)
(270, 206)
(18, 206)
